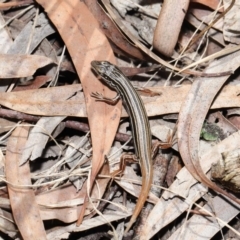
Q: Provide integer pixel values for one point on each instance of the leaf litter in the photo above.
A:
(55, 137)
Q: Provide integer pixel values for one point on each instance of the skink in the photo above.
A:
(116, 80)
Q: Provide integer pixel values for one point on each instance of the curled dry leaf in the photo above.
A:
(169, 25)
(197, 103)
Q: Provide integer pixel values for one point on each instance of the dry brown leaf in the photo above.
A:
(202, 227)
(235, 120)
(169, 207)
(87, 224)
(111, 31)
(6, 40)
(14, 4)
(231, 23)
(197, 103)
(17, 66)
(53, 197)
(166, 211)
(35, 84)
(222, 122)
(209, 3)
(85, 42)
(46, 102)
(43, 29)
(39, 137)
(5, 126)
(7, 223)
(173, 168)
(24, 207)
(212, 33)
(226, 171)
(205, 15)
(56, 204)
(168, 26)
(21, 43)
(138, 43)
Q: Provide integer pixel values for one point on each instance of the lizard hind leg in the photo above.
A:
(125, 158)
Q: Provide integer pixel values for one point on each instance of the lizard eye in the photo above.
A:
(112, 84)
(101, 69)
